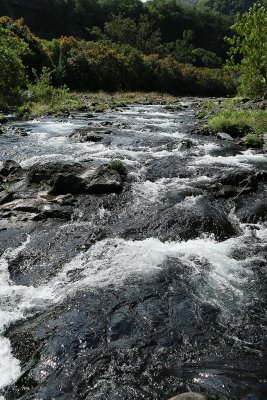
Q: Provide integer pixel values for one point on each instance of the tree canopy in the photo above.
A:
(248, 50)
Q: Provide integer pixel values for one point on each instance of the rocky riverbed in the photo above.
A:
(136, 280)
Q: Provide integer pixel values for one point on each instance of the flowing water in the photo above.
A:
(142, 295)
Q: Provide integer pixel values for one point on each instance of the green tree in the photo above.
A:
(248, 51)
(121, 30)
(12, 70)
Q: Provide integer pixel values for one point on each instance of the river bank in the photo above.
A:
(145, 282)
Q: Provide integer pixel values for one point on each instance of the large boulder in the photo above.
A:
(102, 180)
(38, 173)
(66, 183)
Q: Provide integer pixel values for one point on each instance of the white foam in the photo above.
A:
(114, 261)
(240, 160)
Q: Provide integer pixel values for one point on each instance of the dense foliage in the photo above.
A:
(160, 45)
(248, 51)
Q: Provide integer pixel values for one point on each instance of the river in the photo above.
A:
(145, 294)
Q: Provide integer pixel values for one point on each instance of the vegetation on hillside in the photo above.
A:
(124, 45)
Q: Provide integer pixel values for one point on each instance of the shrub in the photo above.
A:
(253, 140)
(118, 166)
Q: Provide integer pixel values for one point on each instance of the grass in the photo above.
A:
(240, 123)
(237, 117)
(118, 166)
(92, 103)
(3, 186)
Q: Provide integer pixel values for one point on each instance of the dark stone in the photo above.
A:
(89, 134)
(181, 223)
(38, 173)
(237, 183)
(103, 180)
(56, 212)
(253, 208)
(66, 183)
(9, 167)
(185, 145)
(6, 198)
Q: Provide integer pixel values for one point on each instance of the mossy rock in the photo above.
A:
(236, 130)
(3, 119)
(253, 140)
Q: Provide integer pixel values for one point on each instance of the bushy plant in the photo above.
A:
(118, 166)
(253, 140)
(240, 123)
(43, 91)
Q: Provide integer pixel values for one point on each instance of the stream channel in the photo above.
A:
(152, 291)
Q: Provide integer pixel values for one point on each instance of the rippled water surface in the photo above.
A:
(141, 295)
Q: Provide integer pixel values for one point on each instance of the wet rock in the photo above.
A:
(66, 183)
(253, 208)
(15, 131)
(9, 167)
(66, 200)
(103, 180)
(182, 222)
(224, 136)
(89, 134)
(237, 183)
(185, 145)
(190, 396)
(38, 173)
(6, 198)
(204, 130)
(106, 123)
(26, 205)
(54, 212)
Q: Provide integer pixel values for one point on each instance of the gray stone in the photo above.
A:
(89, 134)
(189, 396)
(224, 136)
(38, 173)
(102, 180)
